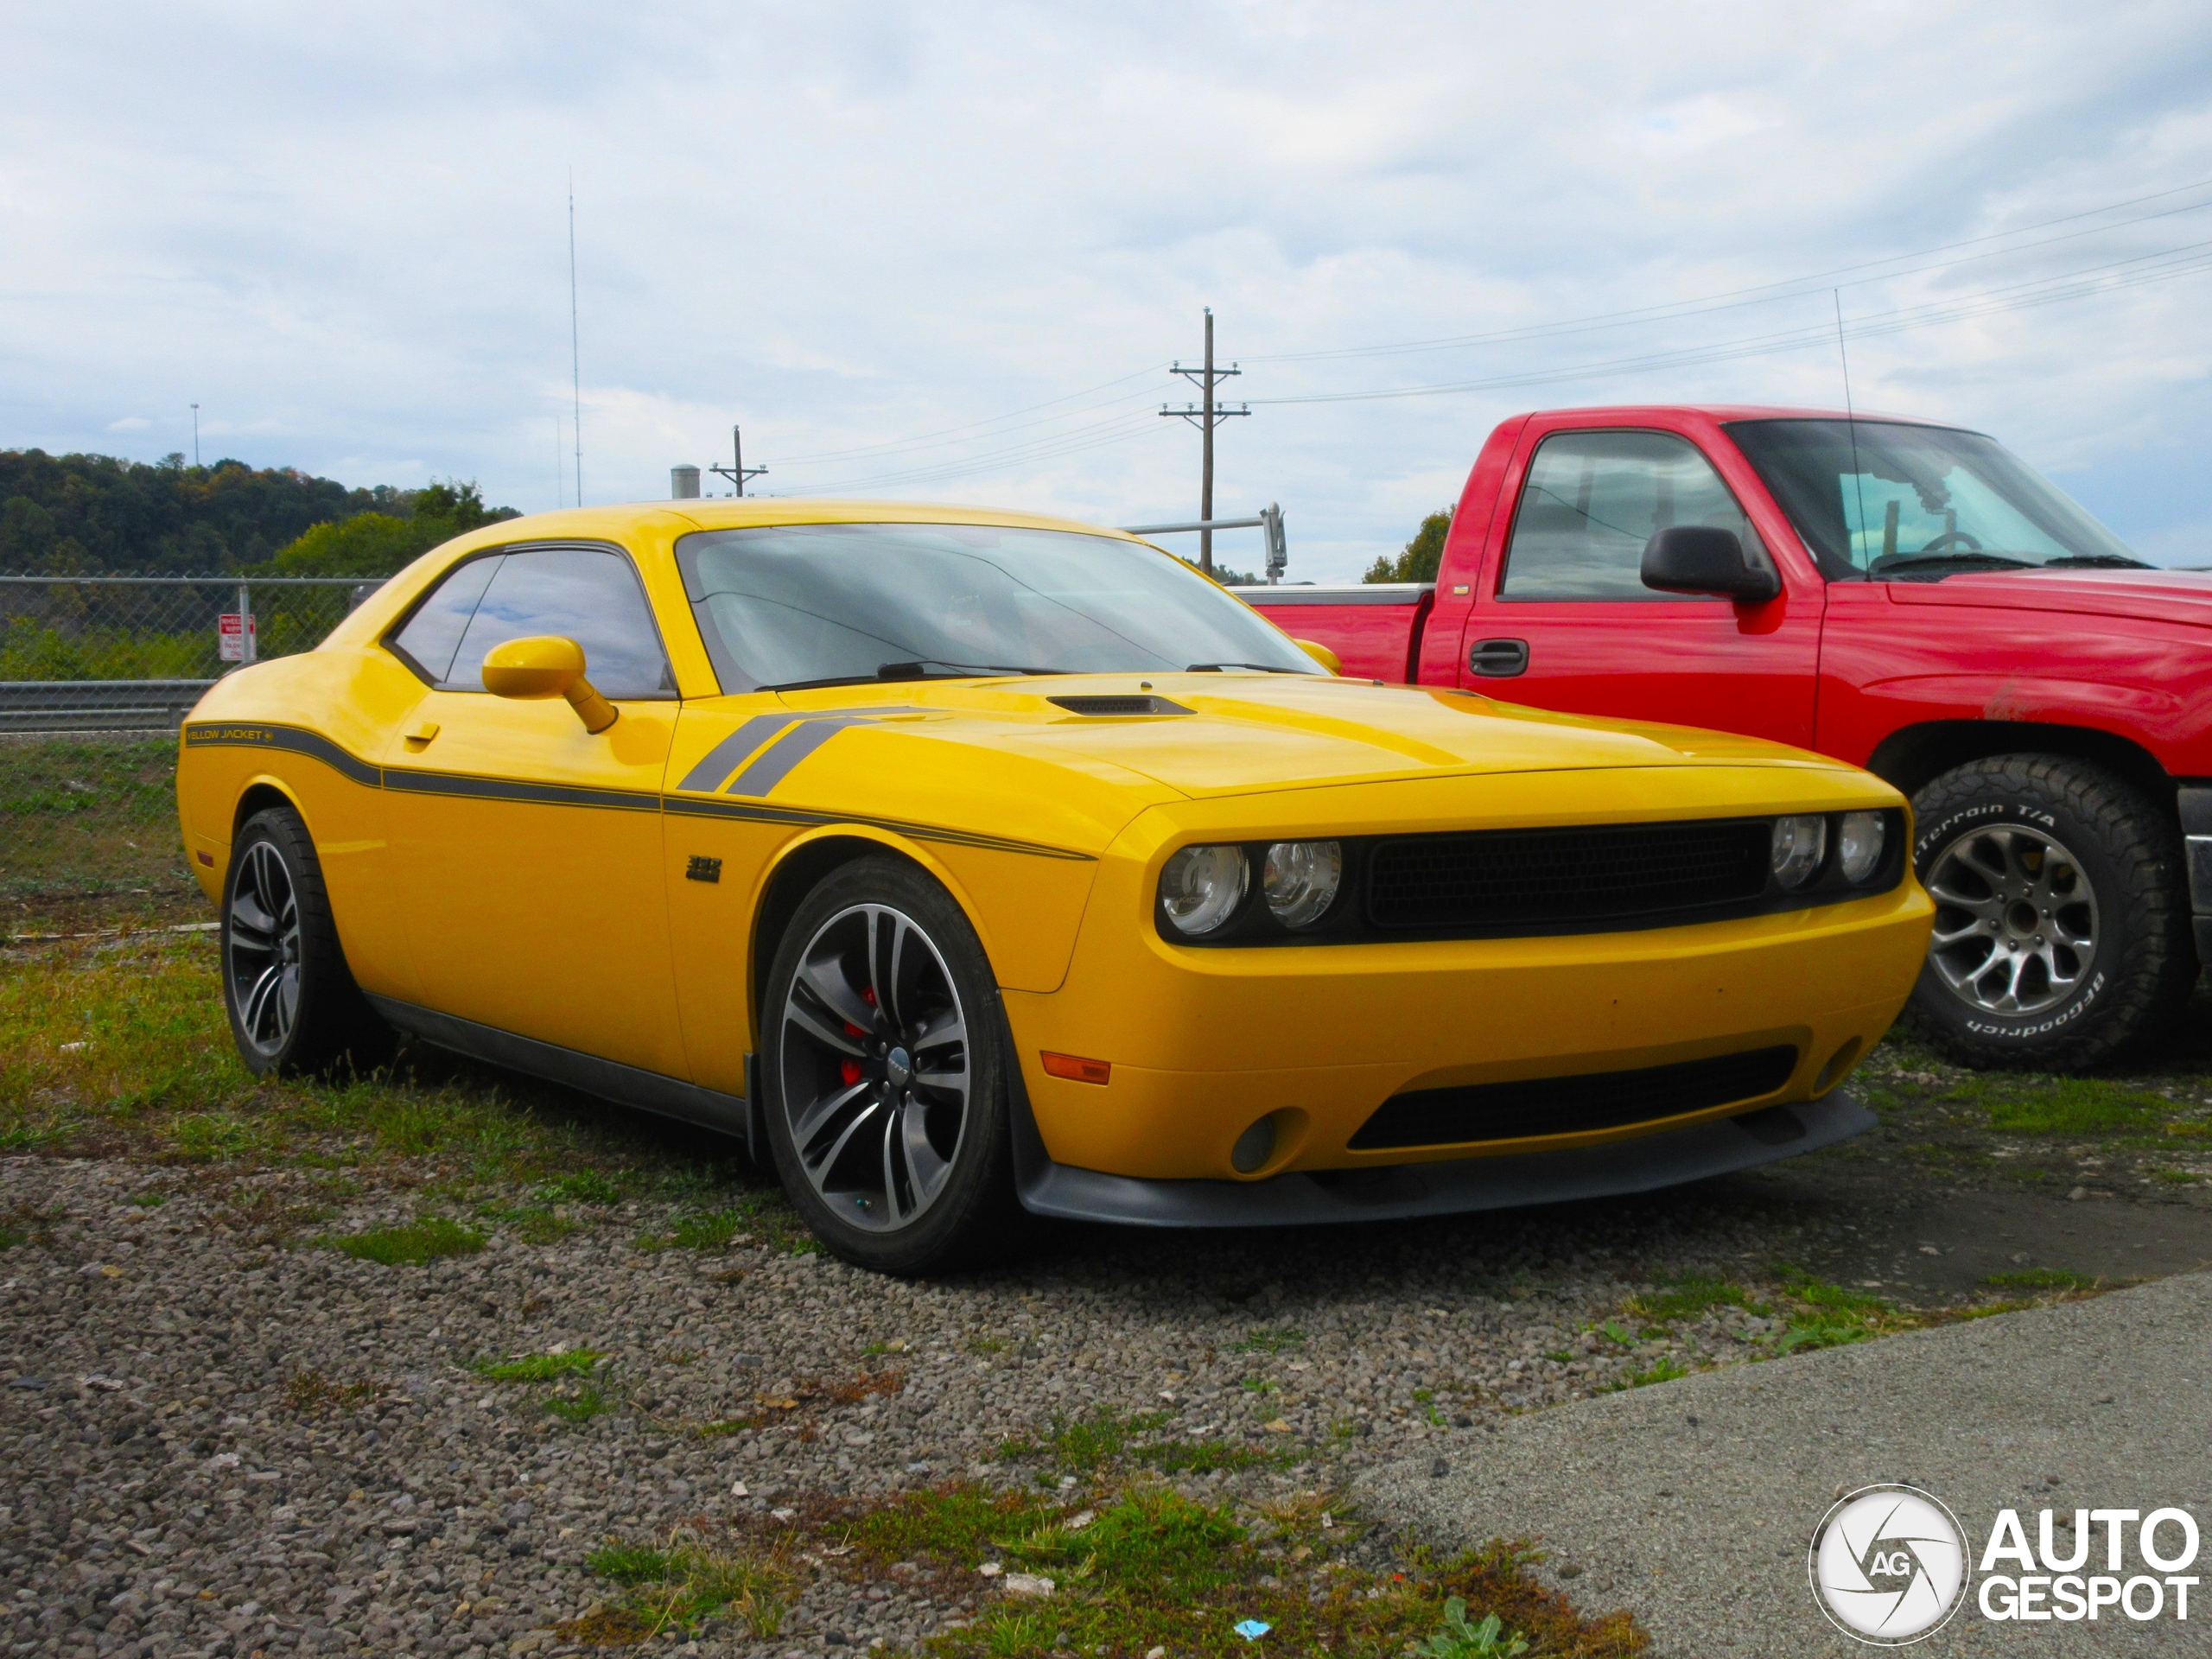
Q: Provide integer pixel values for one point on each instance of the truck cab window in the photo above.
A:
(1593, 499)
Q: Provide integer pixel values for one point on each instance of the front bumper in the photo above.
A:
(1714, 1148)
(1204, 1042)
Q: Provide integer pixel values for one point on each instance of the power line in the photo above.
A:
(2071, 285)
(1767, 293)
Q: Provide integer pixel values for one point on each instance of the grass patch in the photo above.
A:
(579, 1186)
(2042, 1279)
(1152, 1568)
(1269, 1340)
(416, 1241)
(1667, 1369)
(1081, 1445)
(9, 1238)
(93, 819)
(2082, 1107)
(1687, 1296)
(680, 1585)
(988, 1345)
(539, 1368)
(578, 1405)
(1829, 1316)
(1204, 1457)
(762, 1213)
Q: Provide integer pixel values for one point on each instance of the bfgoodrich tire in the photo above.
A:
(294, 1009)
(885, 1074)
(2062, 926)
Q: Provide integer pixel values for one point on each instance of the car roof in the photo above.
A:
(1739, 412)
(707, 513)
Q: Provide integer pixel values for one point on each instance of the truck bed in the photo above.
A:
(1374, 627)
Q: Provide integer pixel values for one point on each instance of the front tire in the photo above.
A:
(887, 1075)
(2062, 930)
(294, 1009)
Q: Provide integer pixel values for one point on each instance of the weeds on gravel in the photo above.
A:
(412, 1244)
(2086, 1108)
(539, 1368)
(577, 1405)
(1107, 1439)
(1269, 1340)
(680, 1585)
(2042, 1279)
(1667, 1369)
(1829, 1316)
(1687, 1296)
(1457, 1639)
(761, 1213)
(310, 1394)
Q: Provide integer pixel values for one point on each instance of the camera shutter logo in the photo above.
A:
(1888, 1565)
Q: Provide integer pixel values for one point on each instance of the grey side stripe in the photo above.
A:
(722, 759)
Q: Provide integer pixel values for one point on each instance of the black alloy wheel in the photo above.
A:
(2062, 932)
(885, 1072)
(294, 1009)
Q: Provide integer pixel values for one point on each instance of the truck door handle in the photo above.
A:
(1499, 659)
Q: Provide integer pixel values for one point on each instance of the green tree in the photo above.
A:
(377, 543)
(1421, 557)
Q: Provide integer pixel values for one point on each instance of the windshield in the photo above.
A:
(1877, 498)
(792, 604)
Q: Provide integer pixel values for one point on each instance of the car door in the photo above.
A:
(527, 850)
(1566, 622)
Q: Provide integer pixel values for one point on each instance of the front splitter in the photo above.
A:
(1716, 1146)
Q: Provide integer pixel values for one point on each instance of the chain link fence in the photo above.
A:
(134, 653)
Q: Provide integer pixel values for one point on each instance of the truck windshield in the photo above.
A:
(784, 606)
(1876, 498)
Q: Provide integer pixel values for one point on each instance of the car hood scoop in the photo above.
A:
(1110, 706)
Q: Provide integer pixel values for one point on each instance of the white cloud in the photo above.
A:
(129, 424)
(343, 231)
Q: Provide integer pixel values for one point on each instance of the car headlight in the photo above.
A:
(1202, 887)
(1300, 880)
(1800, 843)
(1859, 843)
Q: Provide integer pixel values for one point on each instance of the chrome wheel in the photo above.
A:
(262, 942)
(873, 1058)
(2016, 920)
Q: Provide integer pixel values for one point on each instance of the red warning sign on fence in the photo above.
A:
(234, 637)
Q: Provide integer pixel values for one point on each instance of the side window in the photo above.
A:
(1593, 499)
(433, 633)
(584, 594)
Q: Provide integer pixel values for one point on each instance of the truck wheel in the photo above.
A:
(885, 1074)
(2062, 914)
(295, 1010)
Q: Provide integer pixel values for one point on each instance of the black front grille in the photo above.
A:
(1537, 878)
(1598, 1100)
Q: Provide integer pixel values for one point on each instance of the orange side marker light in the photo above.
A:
(1077, 1069)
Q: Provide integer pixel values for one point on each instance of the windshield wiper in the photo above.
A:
(923, 670)
(1216, 668)
(2098, 561)
(896, 671)
(1882, 567)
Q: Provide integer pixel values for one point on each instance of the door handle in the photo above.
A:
(1499, 659)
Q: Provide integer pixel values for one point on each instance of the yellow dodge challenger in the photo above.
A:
(961, 861)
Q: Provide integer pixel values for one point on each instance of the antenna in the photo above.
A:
(560, 469)
(196, 435)
(1850, 421)
(576, 350)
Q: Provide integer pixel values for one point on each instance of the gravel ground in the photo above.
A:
(228, 1446)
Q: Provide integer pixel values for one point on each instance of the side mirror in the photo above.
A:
(1321, 654)
(545, 666)
(1702, 559)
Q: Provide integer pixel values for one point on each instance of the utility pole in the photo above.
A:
(1205, 417)
(738, 472)
(196, 437)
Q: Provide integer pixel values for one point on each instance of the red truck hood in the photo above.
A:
(2151, 595)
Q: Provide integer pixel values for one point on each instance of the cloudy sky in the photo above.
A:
(948, 252)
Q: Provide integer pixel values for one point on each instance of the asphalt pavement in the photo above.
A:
(1694, 1503)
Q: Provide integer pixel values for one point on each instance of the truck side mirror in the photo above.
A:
(1702, 559)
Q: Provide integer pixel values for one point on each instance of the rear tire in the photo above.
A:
(886, 1074)
(2062, 918)
(294, 1009)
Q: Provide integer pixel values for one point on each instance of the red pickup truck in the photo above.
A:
(1899, 593)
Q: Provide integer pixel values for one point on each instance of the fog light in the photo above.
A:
(1202, 887)
(1800, 844)
(1859, 843)
(1254, 1147)
(1300, 880)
